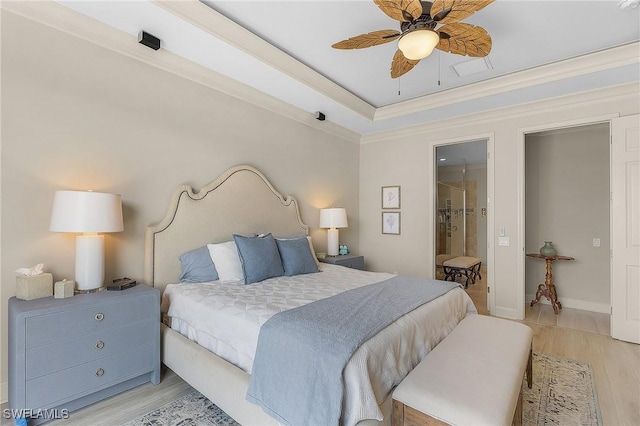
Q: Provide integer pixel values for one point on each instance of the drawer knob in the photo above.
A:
(99, 316)
(99, 372)
(99, 344)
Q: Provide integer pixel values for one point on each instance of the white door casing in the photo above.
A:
(625, 228)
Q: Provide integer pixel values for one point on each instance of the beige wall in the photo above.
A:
(77, 116)
(567, 202)
(406, 159)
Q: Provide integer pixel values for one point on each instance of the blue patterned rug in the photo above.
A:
(563, 393)
(192, 409)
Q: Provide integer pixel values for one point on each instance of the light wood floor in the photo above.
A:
(616, 366)
(543, 314)
(584, 336)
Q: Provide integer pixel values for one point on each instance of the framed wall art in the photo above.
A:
(391, 197)
(391, 223)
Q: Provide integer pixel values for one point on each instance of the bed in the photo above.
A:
(242, 201)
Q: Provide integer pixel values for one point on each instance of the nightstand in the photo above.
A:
(348, 260)
(65, 354)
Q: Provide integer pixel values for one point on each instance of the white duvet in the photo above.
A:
(225, 318)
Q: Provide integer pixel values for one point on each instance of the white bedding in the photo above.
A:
(226, 317)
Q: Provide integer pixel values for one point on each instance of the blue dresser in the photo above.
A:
(65, 354)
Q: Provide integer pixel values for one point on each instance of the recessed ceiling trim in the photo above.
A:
(608, 94)
(207, 19)
(603, 60)
(76, 24)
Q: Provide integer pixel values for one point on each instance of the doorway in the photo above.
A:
(461, 210)
(566, 197)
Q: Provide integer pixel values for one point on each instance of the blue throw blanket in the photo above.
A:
(301, 353)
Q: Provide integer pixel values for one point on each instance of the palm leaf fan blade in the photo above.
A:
(464, 39)
(367, 40)
(400, 10)
(450, 11)
(401, 65)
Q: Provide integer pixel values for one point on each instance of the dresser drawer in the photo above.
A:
(54, 327)
(355, 263)
(53, 389)
(68, 353)
(350, 261)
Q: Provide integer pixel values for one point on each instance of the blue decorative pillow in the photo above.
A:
(197, 266)
(259, 256)
(296, 257)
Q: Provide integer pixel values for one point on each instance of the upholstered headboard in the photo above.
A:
(240, 201)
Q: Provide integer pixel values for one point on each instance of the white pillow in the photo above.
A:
(226, 259)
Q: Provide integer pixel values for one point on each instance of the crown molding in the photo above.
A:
(603, 60)
(76, 24)
(209, 20)
(607, 94)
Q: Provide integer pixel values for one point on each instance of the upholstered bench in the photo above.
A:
(466, 266)
(473, 377)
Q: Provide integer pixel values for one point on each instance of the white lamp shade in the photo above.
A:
(86, 211)
(418, 44)
(333, 218)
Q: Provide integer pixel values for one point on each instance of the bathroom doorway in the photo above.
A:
(461, 210)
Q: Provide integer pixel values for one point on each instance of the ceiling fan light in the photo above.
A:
(418, 44)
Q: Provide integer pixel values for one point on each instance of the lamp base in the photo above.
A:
(91, 290)
(332, 242)
(89, 262)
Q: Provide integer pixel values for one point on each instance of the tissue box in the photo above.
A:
(63, 289)
(34, 287)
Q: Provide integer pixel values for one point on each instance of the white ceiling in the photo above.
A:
(353, 87)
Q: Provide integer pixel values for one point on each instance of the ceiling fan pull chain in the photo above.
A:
(438, 68)
(399, 87)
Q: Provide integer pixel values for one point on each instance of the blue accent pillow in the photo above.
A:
(197, 266)
(259, 256)
(296, 257)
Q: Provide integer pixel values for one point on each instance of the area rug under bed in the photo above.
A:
(563, 393)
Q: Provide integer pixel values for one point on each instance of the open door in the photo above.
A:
(625, 228)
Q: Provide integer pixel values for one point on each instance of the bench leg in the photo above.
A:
(403, 415)
(397, 413)
(517, 416)
(475, 272)
(450, 273)
(530, 369)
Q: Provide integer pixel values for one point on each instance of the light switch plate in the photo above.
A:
(503, 241)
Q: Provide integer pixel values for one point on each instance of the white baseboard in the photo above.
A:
(506, 313)
(4, 392)
(602, 308)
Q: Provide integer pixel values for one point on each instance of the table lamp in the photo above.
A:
(87, 212)
(333, 218)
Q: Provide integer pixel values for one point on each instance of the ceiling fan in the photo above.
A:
(418, 35)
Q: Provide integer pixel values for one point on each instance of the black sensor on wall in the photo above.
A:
(149, 40)
(320, 116)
